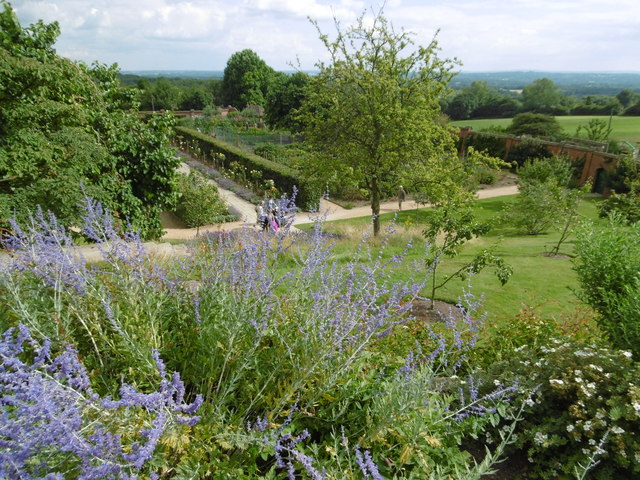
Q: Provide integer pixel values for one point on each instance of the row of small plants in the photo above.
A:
(288, 364)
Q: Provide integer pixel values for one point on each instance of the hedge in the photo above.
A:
(285, 178)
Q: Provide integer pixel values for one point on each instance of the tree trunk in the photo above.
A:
(375, 205)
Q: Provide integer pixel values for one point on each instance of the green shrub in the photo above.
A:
(286, 179)
(199, 203)
(486, 176)
(625, 205)
(586, 409)
(607, 265)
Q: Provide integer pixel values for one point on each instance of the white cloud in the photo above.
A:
(203, 34)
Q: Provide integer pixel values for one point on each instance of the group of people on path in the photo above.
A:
(268, 215)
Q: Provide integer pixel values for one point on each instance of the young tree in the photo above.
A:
(451, 225)
(544, 198)
(374, 108)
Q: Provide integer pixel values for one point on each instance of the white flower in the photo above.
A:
(540, 438)
(592, 441)
(627, 354)
(587, 426)
(555, 381)
(570, 428)
(598, 368)
(617, 430)
(580, 353)
(497, 382)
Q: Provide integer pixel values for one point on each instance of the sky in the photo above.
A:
(484, 35)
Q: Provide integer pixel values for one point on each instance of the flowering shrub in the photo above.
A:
(586, 409)
(53, 423)
(280, 340)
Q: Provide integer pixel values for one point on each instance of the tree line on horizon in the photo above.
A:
(248, 80)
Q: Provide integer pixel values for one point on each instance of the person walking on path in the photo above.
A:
(401, 196)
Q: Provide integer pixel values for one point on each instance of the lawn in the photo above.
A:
(541, 282)
(623, 128)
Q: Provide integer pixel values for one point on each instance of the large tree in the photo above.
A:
(374, 108)
(64, 125)
(247, 80)
(543, 96)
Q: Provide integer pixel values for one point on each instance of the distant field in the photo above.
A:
(624, 128)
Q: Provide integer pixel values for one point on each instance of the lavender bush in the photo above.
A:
(53, 425)
(278, 338)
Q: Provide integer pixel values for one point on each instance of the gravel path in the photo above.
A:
(175, 230)
(331, 211)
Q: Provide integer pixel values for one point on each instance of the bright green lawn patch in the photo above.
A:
(547, 284)
(623, 128)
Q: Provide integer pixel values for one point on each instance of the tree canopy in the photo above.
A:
(374, 109)
(67, 130)
(247, 80)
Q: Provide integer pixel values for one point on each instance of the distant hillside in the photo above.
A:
(570, 83)
(202, 74)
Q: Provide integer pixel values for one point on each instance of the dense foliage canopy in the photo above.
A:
(374, 109)
(67, 129)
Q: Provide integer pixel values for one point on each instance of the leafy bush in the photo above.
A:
(607, 265)
(624, 205)
(535, 125)
(199, 203)
(585, 411)
(544, 199)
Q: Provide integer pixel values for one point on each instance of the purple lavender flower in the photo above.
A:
(51, 421)
(367, 466)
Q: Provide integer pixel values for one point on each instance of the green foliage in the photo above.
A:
(624, 205)
(528, 150)
(374, 109)
(491, 144)
(597, 130)
(480, 101)
(607, 265)
(543, 96)
(284, 177)
(64, 128)
(451, 226)
(544, 198)
(584, 413)
(535, 125)
(199, 203)
(285, 97)
(247, 80)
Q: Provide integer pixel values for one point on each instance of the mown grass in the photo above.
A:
(538, 281)
(623, 128)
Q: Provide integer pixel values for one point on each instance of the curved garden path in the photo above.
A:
(174, 230)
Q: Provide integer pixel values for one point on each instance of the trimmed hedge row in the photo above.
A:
(285, 178)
